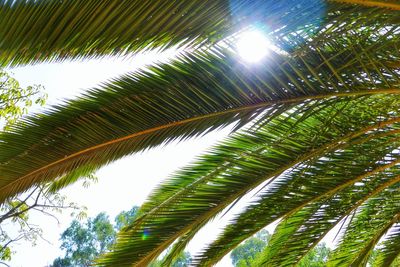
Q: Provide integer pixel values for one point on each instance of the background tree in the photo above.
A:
(183, 260)
(316, 257)
(247, 253)
(83, 242)
(250, 253)
(16, 100)
(125, 218)
(18, 211)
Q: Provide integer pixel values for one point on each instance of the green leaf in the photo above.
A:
(205, 189)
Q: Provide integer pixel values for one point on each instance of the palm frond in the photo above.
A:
(394, 5)
(340, 62)
(287, 143)
(145, 109)
(34, 31)
(40, 30)
(298, 186)
(370, 223)
(298, 233)
(389, 253)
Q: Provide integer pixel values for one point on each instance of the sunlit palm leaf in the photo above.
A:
(32, 31)
(389, 253)
(197, 188)
(370, 223)
(301, 231)
(296, 188)
(285, 146)
(189, 97)
(40, 30)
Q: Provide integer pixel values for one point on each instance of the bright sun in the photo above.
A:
(253, 46)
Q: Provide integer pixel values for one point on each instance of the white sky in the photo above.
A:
(122, 184)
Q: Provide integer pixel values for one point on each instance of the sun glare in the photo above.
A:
(253, 46)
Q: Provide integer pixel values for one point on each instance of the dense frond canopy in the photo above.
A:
(47, 30)
(286, 151)
(322, 116)
(326, 160)
(198, 93)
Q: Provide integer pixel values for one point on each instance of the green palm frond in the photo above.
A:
(301, 231)
(286, 143)
(297, 188)
(202, 191)
(394, 5)
(34, 31)
(389, 253)
(370, 223)
(42, 30)
(191, 96)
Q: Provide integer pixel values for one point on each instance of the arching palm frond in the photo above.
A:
(371, 221)
(389, 253)
(40, 30)
(301, 231)
(248, 160)
(298, 164)
(34, 31)
(195, 94)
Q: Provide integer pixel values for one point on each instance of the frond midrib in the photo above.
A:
(182, 122)
(368, 3)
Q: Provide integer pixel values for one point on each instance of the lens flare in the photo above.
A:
(145, 234)
(253, 46)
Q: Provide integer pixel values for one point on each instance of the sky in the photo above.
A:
(122, 184)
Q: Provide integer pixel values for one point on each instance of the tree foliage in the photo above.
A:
(125, 218)
(15, 100)
(42, 199)
(250, 253)
(247, 253)
(84, 241)
(182, 260)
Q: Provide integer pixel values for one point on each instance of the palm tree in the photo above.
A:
(317, 122)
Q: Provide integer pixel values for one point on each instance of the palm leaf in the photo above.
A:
(187, 190)
(301, 231)
(40, 30)
(204, 197)
(394, 5)
(34, 31)
(148, 108)
(297, 187)
(388, 254)
(371, 222)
